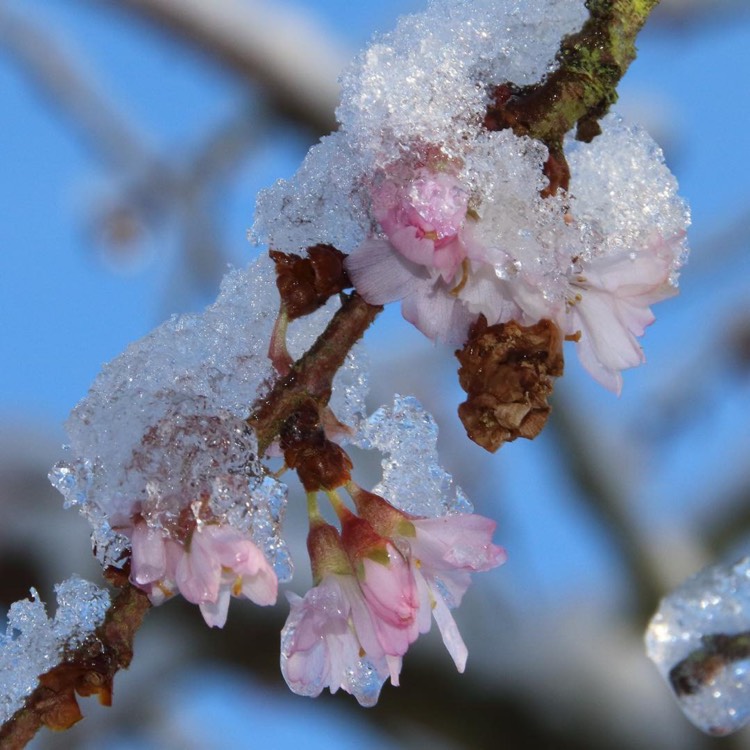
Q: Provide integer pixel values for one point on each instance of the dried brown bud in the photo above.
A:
(320, 463)
(507, 372)
(86, 676)
(305, 284)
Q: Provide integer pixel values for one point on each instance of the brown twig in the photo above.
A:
(89, 670)
(312, 375)
(580, 92)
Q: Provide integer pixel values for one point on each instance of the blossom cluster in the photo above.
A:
(378, 583)
(456, 220)
(170, 475)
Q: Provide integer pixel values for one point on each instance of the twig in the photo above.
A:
(89, 670)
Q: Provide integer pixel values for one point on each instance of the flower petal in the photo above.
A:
(380, 274)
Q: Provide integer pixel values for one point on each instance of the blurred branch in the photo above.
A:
(75, 94)
(289, 59)
(680, 15)
(606, 498)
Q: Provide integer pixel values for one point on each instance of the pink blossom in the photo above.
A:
(609, 306)
(422, 217)
(387, 584)
(382, 275)
(329, 641)
(442, 552)
(218, 562)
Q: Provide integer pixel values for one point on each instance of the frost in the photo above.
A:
(624, 194)
(412, 477)
(700, 642)
(424, 85)
(34, 644)
(350, 388)
(163, 425)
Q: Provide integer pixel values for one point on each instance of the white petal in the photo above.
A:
(215, 613)
(449, 630)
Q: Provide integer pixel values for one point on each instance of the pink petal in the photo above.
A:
(380, 274)
(215, 613)
(451, 636)
(149, 559)
(199, 572)
(435, 312)
(390, 589)
(461, 541)
(261, 587)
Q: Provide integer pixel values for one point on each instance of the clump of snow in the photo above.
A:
(413, 480)
(33, 643)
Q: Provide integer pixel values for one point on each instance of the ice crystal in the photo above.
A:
(34, 643)
(163, 425)
(700, 642)
(413, 479)
(426, 84)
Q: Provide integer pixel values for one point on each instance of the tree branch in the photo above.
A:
(296, 67)
(89, 670)
(591, 63)
(580, 92)
(312, 375)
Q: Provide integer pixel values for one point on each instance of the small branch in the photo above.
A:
(701, 666)
(605, 496)
(581, 90)
(312, 375)
(290, 59)
(53, 70)
(89, 670)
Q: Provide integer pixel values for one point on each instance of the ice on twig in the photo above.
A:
(700, 642)
(34, 643)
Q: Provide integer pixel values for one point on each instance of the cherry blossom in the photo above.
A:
(610, 307)
(329, 641)
(442, 552)
(216, 563)
(337, 637)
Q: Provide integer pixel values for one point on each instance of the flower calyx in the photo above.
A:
(320, 463)
(305, 284)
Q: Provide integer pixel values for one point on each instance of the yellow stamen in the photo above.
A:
(464, 278)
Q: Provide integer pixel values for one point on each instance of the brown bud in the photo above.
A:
(320, 464)
(305, 284)
(557, 171)
(507, 372)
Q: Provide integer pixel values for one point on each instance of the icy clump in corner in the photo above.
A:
(33, 644)
(700, 642)
(425, 85)
(163, 425)
(413, 479)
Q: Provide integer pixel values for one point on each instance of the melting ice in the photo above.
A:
(700, 642)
